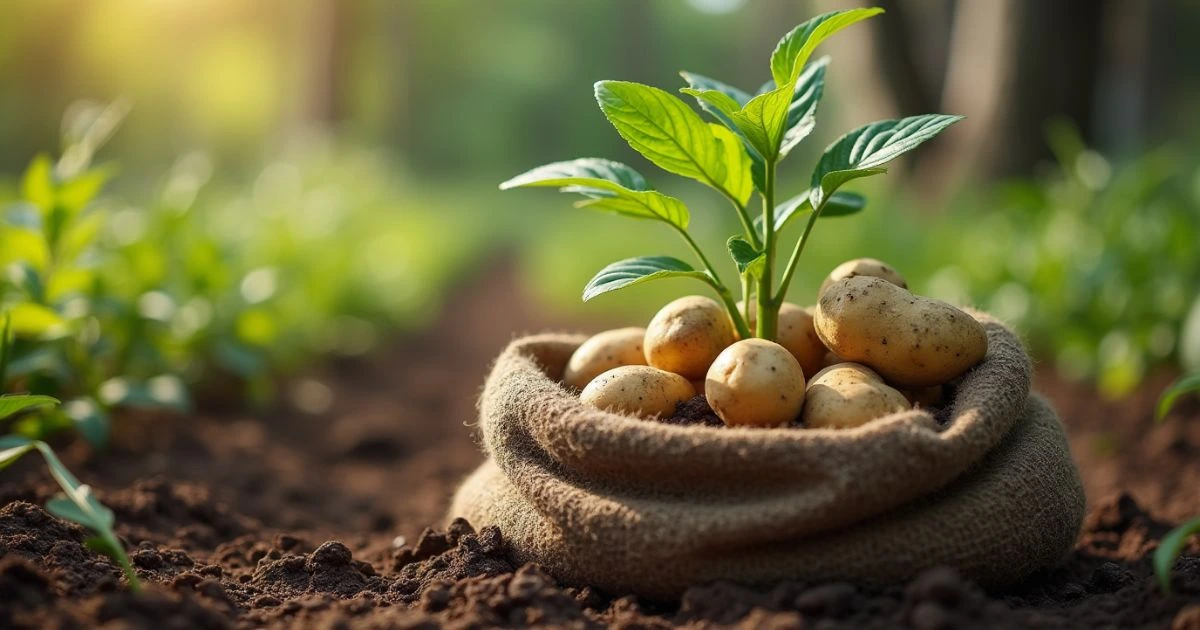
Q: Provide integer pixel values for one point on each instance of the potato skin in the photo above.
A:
(603, 352)
(755, 382)
(640, 390)
(863, 267)
(687, 335)
(849, 395)
(797, 333)
(912, 341)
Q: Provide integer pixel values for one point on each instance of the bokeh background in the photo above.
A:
(286, 180)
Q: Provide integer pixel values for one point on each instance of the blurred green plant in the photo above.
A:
(735, 158)
(1171, 546)
(1096, 265)
(206, 289)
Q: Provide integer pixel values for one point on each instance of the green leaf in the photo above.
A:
(555, 174)
(765, 118)
(35, 320)
(12, 447)
(601, 181)
(65, 508)
(725, 103)
(796, 47)
(667, 132)
(81, 190)
(738, 180)
(802, 112)
(1169, 549)
(13, 404)
(38, 185)
(729, 97)
(839, 205)
(863, 151)
(1184, 385)
(633, 271)
(746, 257)
(642, 205)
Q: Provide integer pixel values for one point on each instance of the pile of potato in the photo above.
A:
(869, 348)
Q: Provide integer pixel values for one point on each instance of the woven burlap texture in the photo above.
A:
(636, 506)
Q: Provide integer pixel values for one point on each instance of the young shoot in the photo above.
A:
(75, 503)
(738, 157)
(1172, 545)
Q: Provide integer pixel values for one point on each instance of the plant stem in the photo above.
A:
(738, 322)
(746, 303)
(118, 553)
(794, 261)
(747, 224)
(767, 310)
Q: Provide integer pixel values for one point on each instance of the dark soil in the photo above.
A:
(292, 519)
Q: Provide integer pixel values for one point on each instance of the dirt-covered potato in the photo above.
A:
(863, 267)
(687, 335)
(912, 341)
(603, 352)
(795, 331)
(848, 395)
(638, 389)
(755, 382)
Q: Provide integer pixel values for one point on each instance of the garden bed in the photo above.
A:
(285, 519)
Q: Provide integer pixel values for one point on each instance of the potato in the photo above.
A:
(603, 352)
(848, 395)
(863, 267)
(687, 335)
(796, 333)
(910, 340)
(640, 390)
(755, 382)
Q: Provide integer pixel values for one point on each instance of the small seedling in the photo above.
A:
(736, 158)
(1171, 546)
(76, 503)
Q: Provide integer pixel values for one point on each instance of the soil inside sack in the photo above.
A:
(653, 508)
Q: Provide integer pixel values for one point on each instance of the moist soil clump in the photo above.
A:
(695, 411)
(333, 519)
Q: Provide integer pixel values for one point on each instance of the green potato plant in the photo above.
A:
(1171, 546)
(1108, 246)
(65, 332)
(738, 157)
(197, 289)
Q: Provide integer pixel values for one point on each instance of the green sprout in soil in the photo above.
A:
(737, 158)
(1171, 546)
(75, 503)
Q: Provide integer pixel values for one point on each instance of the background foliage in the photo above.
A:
(298, 179)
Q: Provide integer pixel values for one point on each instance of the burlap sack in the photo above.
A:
(635, 506)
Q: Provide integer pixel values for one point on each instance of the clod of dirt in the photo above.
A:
(28, 531)
(454, 555)
(695, 411)
(330, 569)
